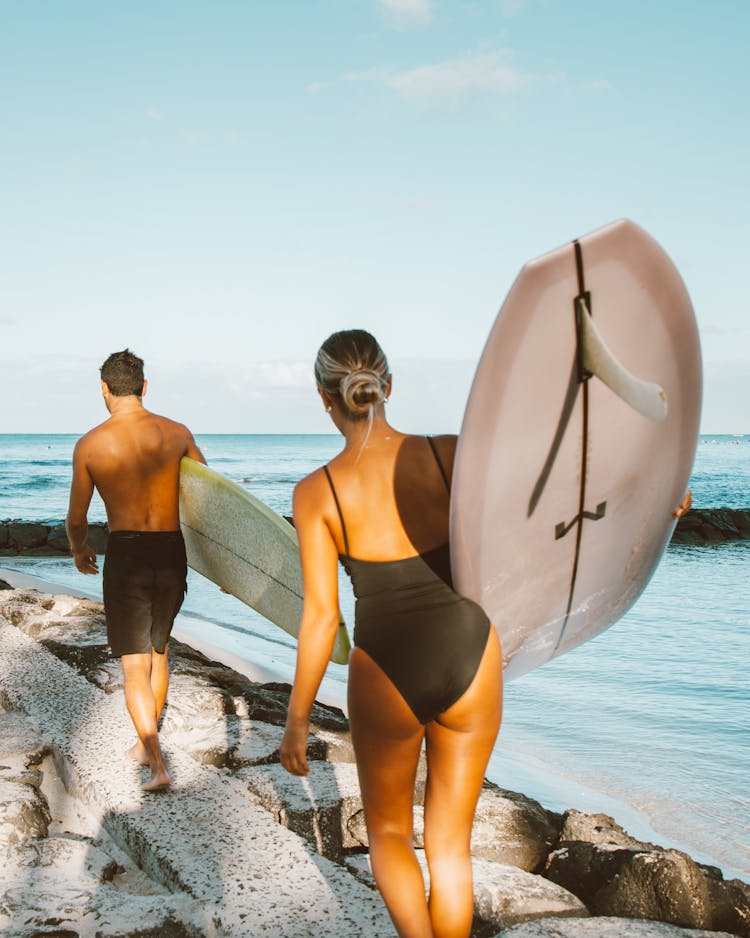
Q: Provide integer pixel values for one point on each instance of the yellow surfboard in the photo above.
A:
(242, 545)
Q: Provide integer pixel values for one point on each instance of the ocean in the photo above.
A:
(647, 722)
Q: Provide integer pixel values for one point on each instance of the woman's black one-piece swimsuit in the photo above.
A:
(427, 639)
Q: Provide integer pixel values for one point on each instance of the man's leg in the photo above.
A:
(159, 681)
(141, 703)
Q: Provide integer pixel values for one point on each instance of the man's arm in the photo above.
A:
(76, 523)
(193, 450)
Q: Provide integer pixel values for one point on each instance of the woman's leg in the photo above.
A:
(459, 744)
(387, 739)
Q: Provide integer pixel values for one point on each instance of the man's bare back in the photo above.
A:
(133, 459)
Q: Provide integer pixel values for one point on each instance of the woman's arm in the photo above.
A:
(320, 618)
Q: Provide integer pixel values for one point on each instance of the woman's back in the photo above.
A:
(393, 497)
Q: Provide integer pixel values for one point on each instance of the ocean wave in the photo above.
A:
(32, 485)
(270, 479)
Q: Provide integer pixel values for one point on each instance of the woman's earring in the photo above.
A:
(328, 409)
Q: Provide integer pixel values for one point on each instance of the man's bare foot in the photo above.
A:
(137, 753)
(158, 782)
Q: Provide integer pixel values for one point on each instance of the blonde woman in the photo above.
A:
(426, 666)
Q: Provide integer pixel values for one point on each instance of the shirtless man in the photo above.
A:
(133, 460)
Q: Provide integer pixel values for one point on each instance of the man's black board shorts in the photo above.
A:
(145, 580)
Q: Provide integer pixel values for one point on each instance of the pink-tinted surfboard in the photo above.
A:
(577, 442)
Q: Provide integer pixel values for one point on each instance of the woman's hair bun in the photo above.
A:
(352, 366)
(361, 390)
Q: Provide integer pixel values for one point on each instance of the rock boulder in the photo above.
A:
(24, 812)
(512, 829)
(665, 885)
(602, 928)
(24, 535)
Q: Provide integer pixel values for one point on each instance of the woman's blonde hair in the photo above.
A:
(352, 366)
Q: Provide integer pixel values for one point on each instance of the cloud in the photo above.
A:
(714, 329)
(450, 82)
(509, 8)
(155, 114)
(60, 394)
(597, 84)
(424, 207)
(238, 396)
(200, 138)
(259, 379)
(726, 388)
(401, 11)
(430, 395)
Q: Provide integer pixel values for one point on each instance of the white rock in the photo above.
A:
(317, 807)
(23, 812)
(503, 895)
(196, 720)
(257, 742)
(19, 736)
(204, 836)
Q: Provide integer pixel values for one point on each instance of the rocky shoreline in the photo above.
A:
(238, 847)
(699, 527)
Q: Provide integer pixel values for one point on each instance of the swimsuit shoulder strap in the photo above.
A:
(440, 465)
(338, 509)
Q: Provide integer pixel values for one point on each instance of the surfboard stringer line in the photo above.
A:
(593, 359)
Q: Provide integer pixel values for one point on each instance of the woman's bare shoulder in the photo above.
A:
(311, 486)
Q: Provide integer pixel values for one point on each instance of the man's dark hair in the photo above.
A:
(122, 372)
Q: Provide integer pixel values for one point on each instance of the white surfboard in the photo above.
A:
(577, 443)
(242, 545)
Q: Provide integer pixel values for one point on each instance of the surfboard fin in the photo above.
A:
(645, 397)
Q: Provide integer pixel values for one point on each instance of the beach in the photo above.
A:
(533, 214)
(606, 812)
(237, 846)
(648, 722)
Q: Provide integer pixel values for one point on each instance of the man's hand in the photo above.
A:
(293, 749)
(85, 560)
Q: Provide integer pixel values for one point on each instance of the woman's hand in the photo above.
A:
(293, 749)
(684, 506)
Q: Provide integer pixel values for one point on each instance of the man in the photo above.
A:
(133, 460)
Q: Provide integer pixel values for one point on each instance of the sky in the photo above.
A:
(220, 185)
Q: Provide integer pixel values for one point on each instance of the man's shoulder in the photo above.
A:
(175, 438)
(91, 438)
(167, 425)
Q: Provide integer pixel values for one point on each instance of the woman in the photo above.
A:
(426, 665)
